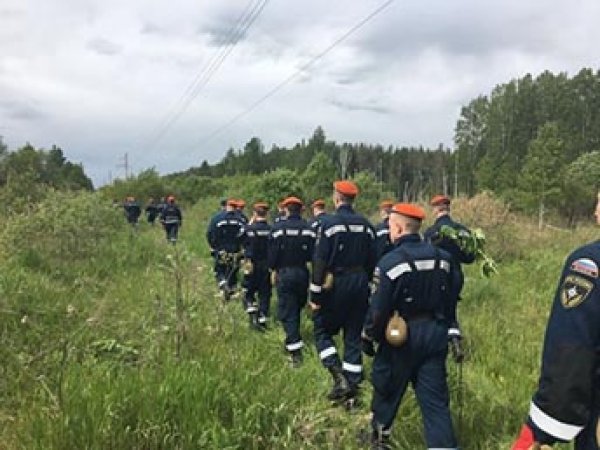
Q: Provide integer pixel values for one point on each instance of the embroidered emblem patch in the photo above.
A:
(575, 290)
(585, 266)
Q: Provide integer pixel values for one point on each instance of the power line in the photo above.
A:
(244, 22)
(303, 68)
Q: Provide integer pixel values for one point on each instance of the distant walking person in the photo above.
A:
(257, 280)
(132, 211)
(290, 249)
(224, 236)
(566, 405)
(441, 209)
(152, 211)
(171, 219)
(383, 243)
(342, 268)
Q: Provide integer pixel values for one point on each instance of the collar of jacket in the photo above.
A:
(414, 237)
(345, 208)
(294, 217)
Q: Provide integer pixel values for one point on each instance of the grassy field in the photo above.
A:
(116, 340)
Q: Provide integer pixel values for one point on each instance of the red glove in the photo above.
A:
(525, 440)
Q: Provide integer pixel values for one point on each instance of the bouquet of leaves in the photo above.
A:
(473, 243)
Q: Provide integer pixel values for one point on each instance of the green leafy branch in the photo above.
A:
(473, 243)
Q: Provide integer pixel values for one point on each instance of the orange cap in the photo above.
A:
(240, 203)
(261, 205)
(345, 187)
(319, 203)
(440, 200)
(386, 204)
(409, 210)
(292, 201)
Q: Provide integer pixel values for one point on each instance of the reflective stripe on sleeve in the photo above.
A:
(550, 425)
(335, 229)
(277, 233)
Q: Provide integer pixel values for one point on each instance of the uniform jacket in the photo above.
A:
(382, 238)
(171, 214)
(569, 388)
(291, 243)
(345, 241)
(413, 278)
(225, 232)
(256, 240)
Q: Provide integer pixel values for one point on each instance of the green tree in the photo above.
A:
(581, 184)
(540, 180)
(318, 177)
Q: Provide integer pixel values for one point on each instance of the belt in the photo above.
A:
(419, 315)
(351, 269)
(293, 266)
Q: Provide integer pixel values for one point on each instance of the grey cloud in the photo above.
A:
(370, 106)
(104, 47)
(20, 111)
(152, 28)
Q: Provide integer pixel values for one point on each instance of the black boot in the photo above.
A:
(352, 399)
(380, 439)
(296, 358)
(340, 388)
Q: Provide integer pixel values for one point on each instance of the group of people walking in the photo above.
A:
(167, 212)
(392, 294)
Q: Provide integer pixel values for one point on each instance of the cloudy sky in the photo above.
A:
(101, 78)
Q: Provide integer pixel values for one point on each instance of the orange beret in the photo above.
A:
(292, 201)
(386, 204)
(240, 203)
(261, 205)
(439, 200)
(346, 187)
(409, 210)
(318, 203)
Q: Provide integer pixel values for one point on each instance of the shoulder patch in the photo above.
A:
(585, 266)
(574, 290)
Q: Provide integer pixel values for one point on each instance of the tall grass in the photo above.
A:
(104, 349)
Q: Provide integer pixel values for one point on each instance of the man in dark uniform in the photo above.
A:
(151, 211)
(382, 230)
(132, 211)
(441, 209)
(318, 210)
(239, 206)
(171, 219)
(290, 249)
(344, 253)
(417, 281)
(280, 213)
(566, 405)
(257, 280)
(224, 236)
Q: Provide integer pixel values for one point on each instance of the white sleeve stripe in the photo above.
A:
(421, 265)
(277, 233)
(453, 332)
(550, 425)
(382, 232)
(315, 288)
(335, 229)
